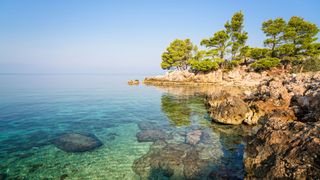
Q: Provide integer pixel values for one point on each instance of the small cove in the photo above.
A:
(37, 108)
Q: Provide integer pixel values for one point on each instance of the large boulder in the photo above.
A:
(77, 142)
(227, 109)
(152, 135)
(284, 150)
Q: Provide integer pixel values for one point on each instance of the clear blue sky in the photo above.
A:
(121, 36)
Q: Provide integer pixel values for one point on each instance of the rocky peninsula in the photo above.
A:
(282, 108)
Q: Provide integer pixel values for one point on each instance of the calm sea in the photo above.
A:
(35, 109)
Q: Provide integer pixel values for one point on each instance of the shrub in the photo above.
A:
(258, 53)
(311, 64)
(265, 63)
(204, 65)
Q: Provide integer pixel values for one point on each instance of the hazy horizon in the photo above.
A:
(121, 37)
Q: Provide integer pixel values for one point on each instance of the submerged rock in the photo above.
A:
(152, 135)
(112, 136)
(193, 137)
(284, 150)
(77, 142)
(227, 109)
(149, 126)
(177, 161)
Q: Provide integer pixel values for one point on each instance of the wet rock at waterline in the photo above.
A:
(77, 142)
(152, 135)
(177, 161)
(227, 109)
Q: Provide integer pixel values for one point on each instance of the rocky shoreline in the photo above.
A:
(284, 106)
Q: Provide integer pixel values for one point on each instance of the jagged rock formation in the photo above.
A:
(284, 150)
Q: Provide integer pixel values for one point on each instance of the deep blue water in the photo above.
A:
(34, 109)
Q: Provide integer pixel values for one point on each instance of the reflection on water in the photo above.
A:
(177, 110)
(33, 112)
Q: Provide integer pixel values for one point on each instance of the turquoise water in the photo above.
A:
(34, 109)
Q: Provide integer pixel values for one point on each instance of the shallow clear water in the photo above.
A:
(34, 109)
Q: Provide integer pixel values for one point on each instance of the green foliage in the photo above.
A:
(219, 43)
(302, 35)
(274, 31)
(311, 64)
(177, 54)
(286, 50)
(292, 43)
(265, 63)
(237, 34)
(204, 65)
(232, 39)
(258, 53)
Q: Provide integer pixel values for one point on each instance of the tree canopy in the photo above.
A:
(293, 41)
(177, 54)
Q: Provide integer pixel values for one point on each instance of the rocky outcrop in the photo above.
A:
(133, 82)
(288, 144)
(284, 150)
(152, 135)
(77, 142)
(227, 109)
(239, 76)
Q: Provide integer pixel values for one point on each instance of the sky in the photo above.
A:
(122, 36)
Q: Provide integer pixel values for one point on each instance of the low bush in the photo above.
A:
(265, 63)
(204, 65)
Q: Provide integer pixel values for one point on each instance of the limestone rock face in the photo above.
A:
(284, 150)
(152, 135)
(307, 106)
(77, 142)
(227, 109)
